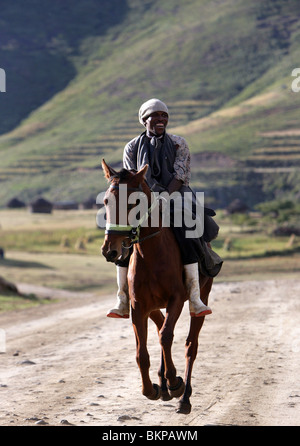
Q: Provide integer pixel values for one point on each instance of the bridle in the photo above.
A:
(132, 232)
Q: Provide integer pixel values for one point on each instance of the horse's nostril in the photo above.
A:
(111, 255)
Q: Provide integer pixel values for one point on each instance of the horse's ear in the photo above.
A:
(141, 173)
(108, 171)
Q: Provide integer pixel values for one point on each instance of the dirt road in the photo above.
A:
(66, 363)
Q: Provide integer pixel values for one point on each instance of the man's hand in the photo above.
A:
(174, 185)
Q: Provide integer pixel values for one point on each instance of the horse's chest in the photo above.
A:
(156, 286)
(155, 281)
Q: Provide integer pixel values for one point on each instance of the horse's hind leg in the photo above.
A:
(191, 349)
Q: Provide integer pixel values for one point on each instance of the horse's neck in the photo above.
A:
(153, 234)
(155, 241)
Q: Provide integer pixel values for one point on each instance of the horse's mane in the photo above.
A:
(123, 175)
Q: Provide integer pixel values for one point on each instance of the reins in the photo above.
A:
(132, 232)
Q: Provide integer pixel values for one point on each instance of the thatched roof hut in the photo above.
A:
(65, 205)
(15, 203)
(89, 203)
(40, 205)
(237, 206)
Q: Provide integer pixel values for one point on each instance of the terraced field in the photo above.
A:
(87, 155)
(281, 150)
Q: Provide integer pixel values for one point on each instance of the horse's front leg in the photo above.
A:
(158, 318)
(175, 383)
(140, 326)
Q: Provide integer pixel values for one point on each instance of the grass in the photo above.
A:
(75, 272)
(58, 240)
(34, 253)
(10, 302)
(247, 244)
(252, 253)
(62, 232)
(265, 268)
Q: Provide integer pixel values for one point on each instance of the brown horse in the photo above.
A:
(156, 281)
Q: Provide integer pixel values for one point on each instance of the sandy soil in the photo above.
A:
(66, 363)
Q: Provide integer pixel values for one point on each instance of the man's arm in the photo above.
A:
(182, 168)
(129, 155)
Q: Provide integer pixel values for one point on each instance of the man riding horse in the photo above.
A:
(168, 158)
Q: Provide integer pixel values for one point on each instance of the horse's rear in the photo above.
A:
(156, 281)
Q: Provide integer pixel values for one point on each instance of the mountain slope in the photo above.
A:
(37, 47)
(202, 57)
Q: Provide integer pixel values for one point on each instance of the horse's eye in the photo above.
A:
(105, 201)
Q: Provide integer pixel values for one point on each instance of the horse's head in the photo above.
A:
(126, 187)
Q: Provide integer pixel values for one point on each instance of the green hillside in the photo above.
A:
(77, 73)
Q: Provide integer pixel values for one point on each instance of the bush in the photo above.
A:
(286, 231)
(282, 211)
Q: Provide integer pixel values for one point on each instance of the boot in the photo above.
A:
(196, 306)
(121, 310)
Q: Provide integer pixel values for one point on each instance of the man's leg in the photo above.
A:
(190, 253)
(121, 308)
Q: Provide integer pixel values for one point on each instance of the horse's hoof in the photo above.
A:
(165, 396)
(184, 408)
(157, 393)
(177, 391)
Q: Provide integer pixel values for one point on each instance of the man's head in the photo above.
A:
(154, 115)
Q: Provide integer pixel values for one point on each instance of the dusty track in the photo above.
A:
(67, 363)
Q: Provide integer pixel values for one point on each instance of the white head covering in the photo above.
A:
(151, 106)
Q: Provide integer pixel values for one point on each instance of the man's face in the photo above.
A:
(156, 123)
